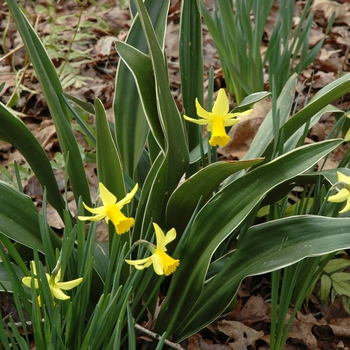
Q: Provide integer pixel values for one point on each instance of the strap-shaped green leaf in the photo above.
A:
(109, 168)
(130, 122)
(266, 247)
(52, 90)
(171, 164)
(15, 132)
(19, 219)
(323, 98)
(201, 185)
(191, 67)
(219, 217)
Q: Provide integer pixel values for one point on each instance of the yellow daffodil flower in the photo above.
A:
(217, 119)
(343, 194)
(111, 210)
(54, 283)
(163, 264)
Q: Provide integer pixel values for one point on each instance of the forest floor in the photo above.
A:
(92, 74)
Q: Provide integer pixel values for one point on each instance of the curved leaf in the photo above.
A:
(201, 185)
(15, 132)
(19, 219)
(266, 247)
(219, 217)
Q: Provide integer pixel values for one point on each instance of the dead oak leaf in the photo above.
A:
(242, 335)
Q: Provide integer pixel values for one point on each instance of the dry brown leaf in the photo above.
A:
(302, 329)
(243, 133)
(341, 327)
(105, 45)
(330, 61)
(242, 335)
(322, 79)
(328, 7)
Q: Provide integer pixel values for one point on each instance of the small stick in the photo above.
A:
(11, 52)
(157, 336)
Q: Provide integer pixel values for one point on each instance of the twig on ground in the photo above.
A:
(157, 336)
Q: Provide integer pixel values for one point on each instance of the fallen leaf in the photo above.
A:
(242, 335)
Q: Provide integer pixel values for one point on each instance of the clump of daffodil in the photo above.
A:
(111, 210)
(217, 119)
(163, 264)
(54, 283)
(344, 193)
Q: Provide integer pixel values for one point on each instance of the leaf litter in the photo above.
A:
(247, 325)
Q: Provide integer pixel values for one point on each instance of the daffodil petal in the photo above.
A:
(196, 121)
(170, 236)
(140, 264)
(231, 122)
(221, 106)
(343, 178)
(58, 294)
(33, 267)
(157, 264)
(341, 196)
(128, 197)
(99, 210)
(92, 218)
(160, 237)
(202, 112)
(347, 206)
(237, 114)
(27, 281)
(107, 197)
(69, 284)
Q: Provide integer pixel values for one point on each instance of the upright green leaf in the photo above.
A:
(130, 122)
(191, 67)
(15, 132)
(52, 90)
(173, 160)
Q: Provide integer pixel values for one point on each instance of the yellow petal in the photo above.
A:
(343, 178)
(196, 121)
(27, 281)
(221, 107)
(141, 263)
(202, 112)
(347, 207)
(107, 197)
(160, 237)
(128, 197)
(69, 284)
(347, 136)
(158, 263)
(170, 236)
(92, 218)
(341, 196)
(58, 294)
(231, 122)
